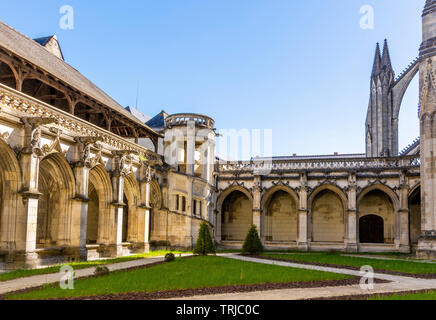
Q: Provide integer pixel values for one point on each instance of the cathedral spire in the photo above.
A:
(386, 58)
(377, 61)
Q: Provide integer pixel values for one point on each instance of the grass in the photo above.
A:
(197, 272)
(22, 273)
(430, 295)
(409, 267)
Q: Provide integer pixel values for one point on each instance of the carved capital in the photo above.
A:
(32, 127)
(122, 161)
(84, 150)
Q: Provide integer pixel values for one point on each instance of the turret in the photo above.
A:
(189, 145)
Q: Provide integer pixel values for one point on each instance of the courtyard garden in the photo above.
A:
(393, 264)
(203, 272)
(200, 272)
(22, 273)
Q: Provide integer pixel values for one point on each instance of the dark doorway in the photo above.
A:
(125, 221)
(371, 229)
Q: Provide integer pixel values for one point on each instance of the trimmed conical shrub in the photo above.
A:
(204, 245)
(252, 244)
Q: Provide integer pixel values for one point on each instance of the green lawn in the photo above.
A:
(80, 265)
(430, 295)
(337, 259)
(197, 272)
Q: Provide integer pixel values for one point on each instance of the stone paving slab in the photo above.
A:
(39, 280)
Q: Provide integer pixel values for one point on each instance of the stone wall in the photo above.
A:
(237, 217)
(281, 219)
(328, 218)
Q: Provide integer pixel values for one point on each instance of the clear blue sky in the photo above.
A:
(301, 68)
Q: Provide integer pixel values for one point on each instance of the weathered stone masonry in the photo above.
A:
(83, 178)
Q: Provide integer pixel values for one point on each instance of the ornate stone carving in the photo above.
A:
(35, 110)
(4, 136)
(32, 127)
(123, 161)
(147, 172)
(352, 183)
(84, 150)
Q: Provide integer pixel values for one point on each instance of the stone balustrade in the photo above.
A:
(30, 107)
(182, 119)
(320, 164)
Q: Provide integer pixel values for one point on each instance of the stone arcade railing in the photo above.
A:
(27, 106)
(182, 119)
(319, 164)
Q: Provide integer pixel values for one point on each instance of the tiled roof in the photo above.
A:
(138, 114)
(33, 52)
(158, 121)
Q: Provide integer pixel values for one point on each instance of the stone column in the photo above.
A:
(218, 225)
(190, 148)
(303, 241)
(427, 85)
(30, 158)
(403, 212)
(81, 173)
(257, 210)
(118, 185)
(118, 174)
(208, 150)
(351, 239)
(145, 190)
(82, 177)
(30, 166)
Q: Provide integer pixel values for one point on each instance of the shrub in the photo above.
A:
(252, 244)
(205, 244)
(170, 257)
(101, 271)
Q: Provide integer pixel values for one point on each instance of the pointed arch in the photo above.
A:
(223, 195)
(378, 186)
(100, 220)
(155, 206)
(12, 233)
(377, 200)
(331, 188)
(414, 202)
(56, 183)
(130, 215)
(280, 214)
(155, 195)
(266, 197)
(235, 213)
(327, 206)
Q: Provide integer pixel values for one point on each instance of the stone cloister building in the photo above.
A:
(82, 178)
